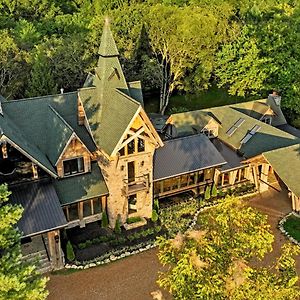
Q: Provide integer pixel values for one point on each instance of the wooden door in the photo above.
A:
(131, 171)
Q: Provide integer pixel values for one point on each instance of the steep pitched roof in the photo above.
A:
(108, 101)
(286, 163)
(45, 124)
(107, 46)
(15, 135)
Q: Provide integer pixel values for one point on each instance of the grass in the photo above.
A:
(292, 226)
(205, 99)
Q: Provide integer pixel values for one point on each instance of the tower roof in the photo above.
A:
(107, 46)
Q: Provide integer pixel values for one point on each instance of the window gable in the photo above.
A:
(73, 166)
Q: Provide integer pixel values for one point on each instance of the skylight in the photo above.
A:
(250, 134)
(235, 126)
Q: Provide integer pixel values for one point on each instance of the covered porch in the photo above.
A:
(185, 164)
(41, 223)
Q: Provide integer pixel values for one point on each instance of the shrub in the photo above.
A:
(88, 243)
(131, 237)
(81, 246)
(104, 220)
(144, 233)
(137, 235)
(214, 191)
(207, 193)
(154, 216)
(70, 252)
(157, 228)
(133, 220)
(118, 226)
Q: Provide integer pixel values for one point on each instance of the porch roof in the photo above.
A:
(81, 187)
(286, 163)
(42, 210)
(185, 155)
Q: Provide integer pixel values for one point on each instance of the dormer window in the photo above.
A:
(73, 166)
(267, 119)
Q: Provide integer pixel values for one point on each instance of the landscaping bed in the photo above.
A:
(292, 226)
(93, 241)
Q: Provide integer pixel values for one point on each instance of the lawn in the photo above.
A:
(292, 226)
(210, 98)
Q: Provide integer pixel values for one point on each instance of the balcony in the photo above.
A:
(137, 184)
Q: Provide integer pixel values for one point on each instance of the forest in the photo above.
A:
(246, 47)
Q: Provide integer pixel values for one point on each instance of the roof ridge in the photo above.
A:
(38, 97)
(186, 137)
(61, 118)
(86, 88)
(129, 98)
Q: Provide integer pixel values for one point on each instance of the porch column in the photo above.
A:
(55, 251)
(264, 178)
(232, 177)
(255, 176)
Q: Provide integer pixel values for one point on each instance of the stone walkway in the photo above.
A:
(134, 278)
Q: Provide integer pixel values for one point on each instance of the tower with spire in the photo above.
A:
(125, 138)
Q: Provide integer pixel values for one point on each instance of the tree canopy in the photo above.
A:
(248, 47)
(214, 260)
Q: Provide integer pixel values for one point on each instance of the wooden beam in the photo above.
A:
(132, 137)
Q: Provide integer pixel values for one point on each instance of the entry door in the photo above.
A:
(131, 171)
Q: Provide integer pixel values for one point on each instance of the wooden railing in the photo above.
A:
(137, 184)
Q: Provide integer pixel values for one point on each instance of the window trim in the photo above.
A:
(77, 173)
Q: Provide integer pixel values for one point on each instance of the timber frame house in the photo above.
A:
(67, 158)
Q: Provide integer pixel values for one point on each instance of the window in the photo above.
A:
(73, 166)
(131, 146)
(132, 204)
(250, 134)
(267, 119)
(235, 126)
(141, 145)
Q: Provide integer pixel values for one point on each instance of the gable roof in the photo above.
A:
(42, 126)
(14, 135)
(286, 163)
(266, 139)
(185, 155)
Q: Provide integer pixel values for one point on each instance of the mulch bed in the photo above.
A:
(78, 235)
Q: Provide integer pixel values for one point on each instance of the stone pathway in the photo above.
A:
(134, 278)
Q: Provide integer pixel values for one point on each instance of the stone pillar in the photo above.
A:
(55, 252)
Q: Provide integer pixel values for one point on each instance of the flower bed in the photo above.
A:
(290, 226)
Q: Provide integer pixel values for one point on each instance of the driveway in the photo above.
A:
(134, 278)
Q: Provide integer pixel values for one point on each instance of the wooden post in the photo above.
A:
(4, 150)
(255, 176)
(80, 211)
(34, 171)
(55, 251)
(103, 202)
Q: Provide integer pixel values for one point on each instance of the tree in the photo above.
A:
(70, 251)
(207, 193)
(189, 45)
(41, 78)
(104, 220)
(18, 280)
(212, 261)
(12, 66)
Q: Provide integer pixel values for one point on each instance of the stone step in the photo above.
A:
(45, 269)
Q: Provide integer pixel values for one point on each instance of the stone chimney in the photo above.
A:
(275, 97)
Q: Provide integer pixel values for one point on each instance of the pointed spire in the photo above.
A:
(107, 46)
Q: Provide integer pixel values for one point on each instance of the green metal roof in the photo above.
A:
(81, 187)
(107, 46)
(286, 163)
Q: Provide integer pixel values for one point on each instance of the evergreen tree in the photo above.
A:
(18, 280)
(207, 193)
(41, 78)
(70, 252)
(104, 220)
(214, 191)
(118, 226)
